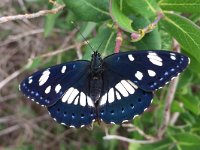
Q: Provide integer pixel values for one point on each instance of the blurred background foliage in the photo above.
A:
(25, 125)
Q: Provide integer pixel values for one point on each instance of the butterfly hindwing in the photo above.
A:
(47, 86)
(75, 108)
(121, 99)
(149, 70)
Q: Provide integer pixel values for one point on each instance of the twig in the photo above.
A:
(9, 130)
(141, 132)
(33, 15)
(78, 51)
(8, 97)
(169, 98)
(60, 50)
(14, 75)
(6, 119)
(118, 40)
(121, 138)
(22, 124)
(19, 36)
(175, 116)
(10, 77)
(168, 102)
(138, 35)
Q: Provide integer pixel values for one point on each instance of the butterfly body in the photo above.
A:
(96, 82)
(114, 89)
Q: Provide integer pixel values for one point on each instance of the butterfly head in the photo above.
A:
(96, 63)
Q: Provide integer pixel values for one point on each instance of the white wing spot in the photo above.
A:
(103, 99)
(63, 69)
(82, 99)
(128, 87)
(118, 95)
(72, 96)
(63, 123)
(30, 81)
(67, 94)
(131, 58)
(72, 126)
(173, 57)
(155, 59)
(156, 62)
(151, 73)
(45, 76)
(154, 56)
(111, 96)
(58, 88)
(90, 102)
(124, 121)
(131, 83)
(139, 75)
(121, 89)
(48, 89)
(76, 100)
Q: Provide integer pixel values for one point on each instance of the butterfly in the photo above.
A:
(113, 90)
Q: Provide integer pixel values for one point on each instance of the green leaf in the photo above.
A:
(105, 35)
(186, 6)
(181, 141)
(69, 19)
(192, 103)
(151, 40)
(186, 141)
(194, 65)
(121, 19)
(185, 32)
(176, 107)
(89, 10)
(166, 38)
(50, 21)
(146, 8)
(86, 30)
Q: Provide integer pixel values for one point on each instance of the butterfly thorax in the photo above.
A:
(96, 77)
(96, 64)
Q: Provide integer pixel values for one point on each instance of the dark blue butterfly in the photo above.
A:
(114, 89)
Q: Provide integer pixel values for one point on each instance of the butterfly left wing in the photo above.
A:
(46, 87)
(149, 70)
(121, 99)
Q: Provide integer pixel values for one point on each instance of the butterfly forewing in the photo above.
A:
(149, 70)
(121, 100)
(47, 86)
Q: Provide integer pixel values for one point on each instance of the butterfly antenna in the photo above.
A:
(76, 26)
(104, 39)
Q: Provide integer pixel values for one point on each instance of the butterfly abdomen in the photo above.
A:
(95, 89)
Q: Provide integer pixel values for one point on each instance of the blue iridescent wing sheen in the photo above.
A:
(47, 86)
(121, 99)
(149, 70)
(75, 108)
